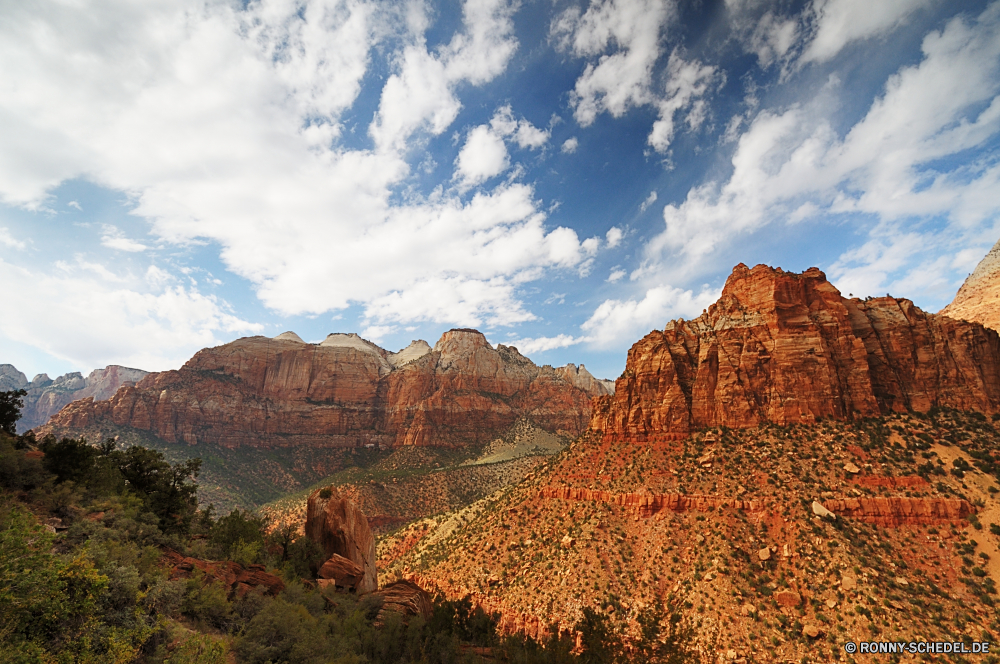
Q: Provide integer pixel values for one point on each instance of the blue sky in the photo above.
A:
(564, 176)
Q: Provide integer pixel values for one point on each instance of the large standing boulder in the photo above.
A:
(341, 529)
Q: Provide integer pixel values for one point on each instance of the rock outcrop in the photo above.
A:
(345, 392)
(978, 299)
(404, 597)
(237, 579)
(337, 525)
(45, 397)
(788, 348)
(898, 510)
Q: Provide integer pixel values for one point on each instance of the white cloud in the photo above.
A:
(122, 243)
(422, 93)
(223, 125)
(74, 204)
(570, 145)
(893, 164)
(541, 344)
(616, 275)
(622, 79)
(8, 240)
(614, 235)
(525, 134)
(837, 23)
(617, 322)
(483, 156)
(649, 201)
(687, 83)
(94, 322)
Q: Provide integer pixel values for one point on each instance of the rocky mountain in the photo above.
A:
(46, 396)
(978, 299)
(788, 472)
(788, 348)
(344, 392)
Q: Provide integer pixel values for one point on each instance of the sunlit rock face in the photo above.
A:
(345, 392)
(978, 300)
(788, 348)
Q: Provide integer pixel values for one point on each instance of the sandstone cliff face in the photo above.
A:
(788, 348)
(978, 299)
(336, 524)
(45, 397)
(343, 392)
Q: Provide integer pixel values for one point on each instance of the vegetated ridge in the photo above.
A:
(790, 471)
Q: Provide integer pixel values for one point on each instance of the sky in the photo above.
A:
(563, 176)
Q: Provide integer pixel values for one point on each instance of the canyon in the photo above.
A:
(344, 392)
(45, 397)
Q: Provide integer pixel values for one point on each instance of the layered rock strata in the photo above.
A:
(45, 396)
(337, 525)
(788, 348)
(345, 392)
(978, 299)
(237, 579)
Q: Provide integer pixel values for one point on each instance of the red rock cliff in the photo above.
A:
(344, 392)
(783, 347)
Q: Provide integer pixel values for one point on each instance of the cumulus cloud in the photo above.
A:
(893, 164)
(483, 156)
(92, 319)
(114, 239)
(649, 201)
(530, 346)
(223, 124)
(570, 145)
(614, 235)
(622, 79)
(8, 240)
(837, 23)
(615, 322)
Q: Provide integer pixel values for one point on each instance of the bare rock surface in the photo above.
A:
(45, 396)
(978, 299)
(788, 348)
(341, 529)
(343, 392)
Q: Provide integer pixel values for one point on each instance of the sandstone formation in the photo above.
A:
(788, 348)
(239, 580)
(345, 392)
(341, 529)
(45, 397)
(898, 510)
(405, 597)
(978, 299)
(646, 505)
(341, 572)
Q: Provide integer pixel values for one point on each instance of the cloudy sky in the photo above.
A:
(563, 175)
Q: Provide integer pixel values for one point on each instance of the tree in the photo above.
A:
(11, 403)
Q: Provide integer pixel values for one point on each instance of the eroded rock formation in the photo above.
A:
(405, 597)
(788, 348)
(345, 392)
(898, 510)
(341, 529)
(45, 397)
(239, 580)
(978, 299)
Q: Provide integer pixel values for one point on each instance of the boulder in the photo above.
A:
(788, 598)
(237, 579)
(820, 510)
(341, 529)
(345, 573)
(405, 597)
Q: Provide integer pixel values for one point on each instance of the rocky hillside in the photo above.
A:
(344, 392)
(789, 348)
(46, 396)
(978, 299)
(790, 471)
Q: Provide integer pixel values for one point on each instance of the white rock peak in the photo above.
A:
(289, 336)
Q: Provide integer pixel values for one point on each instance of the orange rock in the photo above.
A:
(349, 393)
(237, 578)
(788, 598)
(898, 510)
(788, 348)
(341, 529)
(345, 573)
(407, 598)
